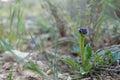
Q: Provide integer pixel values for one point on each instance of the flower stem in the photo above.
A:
(82, 48)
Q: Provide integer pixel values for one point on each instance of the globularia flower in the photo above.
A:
(83, 31)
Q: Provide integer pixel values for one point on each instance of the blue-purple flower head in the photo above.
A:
(83, 31)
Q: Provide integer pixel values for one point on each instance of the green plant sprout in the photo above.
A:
(88, 57)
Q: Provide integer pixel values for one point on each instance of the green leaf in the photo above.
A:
(88, 51)
(100, 52)
(82, 71)
(32, 66)
(106, 57)
(108, 52)
(115, 52)
(88, 67)
(74, 64)
(88, 54)
(76, 49)
(97, 58)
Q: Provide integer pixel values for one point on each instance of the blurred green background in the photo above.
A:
(19, 17)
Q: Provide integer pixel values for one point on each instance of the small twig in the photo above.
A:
(65, 39)
(106, 69)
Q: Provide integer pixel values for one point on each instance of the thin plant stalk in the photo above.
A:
(55, 59)
(82, 48)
